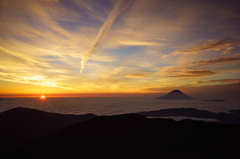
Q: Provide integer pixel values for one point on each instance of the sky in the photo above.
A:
(90, 47)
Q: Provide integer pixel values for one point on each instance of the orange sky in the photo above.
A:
(119, 47)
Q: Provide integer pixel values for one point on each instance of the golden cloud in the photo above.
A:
(225, 80)
(49, 0)
(183, 72)
(217, 60)
(231, 81)
(139, 43)
(192, 73)
(141, 75)
(226, 44)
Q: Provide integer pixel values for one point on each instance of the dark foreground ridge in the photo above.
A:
(135, 136)
(215, 100)
(175, 95)
(22, 125)
(232, 117)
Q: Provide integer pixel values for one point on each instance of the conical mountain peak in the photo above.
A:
(176, 91)
(175, 95)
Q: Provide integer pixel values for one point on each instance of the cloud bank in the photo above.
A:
(217, 60)
(231, 81)
(192, 73)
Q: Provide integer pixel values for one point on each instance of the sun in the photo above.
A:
(42, 97)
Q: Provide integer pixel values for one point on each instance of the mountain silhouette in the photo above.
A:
(135, 136)
(175, 95)
(232, 117)
(20, 126)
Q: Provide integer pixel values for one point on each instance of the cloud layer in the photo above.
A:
(217, 60)
(192, 73)
(43, 41)
(230, 81)
(225, 44)
(141, 75)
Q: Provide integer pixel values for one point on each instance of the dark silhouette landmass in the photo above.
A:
(175, 95)
(216, 100)
(23, 125)
(135, 136)
(232, 117)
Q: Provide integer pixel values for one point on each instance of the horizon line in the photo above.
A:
(82, 95)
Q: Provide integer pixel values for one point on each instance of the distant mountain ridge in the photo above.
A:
(175, 95)
(232, 117)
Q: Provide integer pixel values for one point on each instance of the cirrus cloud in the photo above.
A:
(182, 71)
(141, 75)
(192, 73)
(217, 60)
(231, 81)
(225, 44)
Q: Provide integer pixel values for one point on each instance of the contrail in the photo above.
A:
(103, 32)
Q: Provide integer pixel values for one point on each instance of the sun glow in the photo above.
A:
(42, 97)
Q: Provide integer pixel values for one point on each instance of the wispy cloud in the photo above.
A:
(226, 44)
(191, 73)
(49, 0)
(225, 80)
(103, 32)
(20, 58)
(139, 43)
(141, 75)
(182, 71)
(217, 60)
(231, 81)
